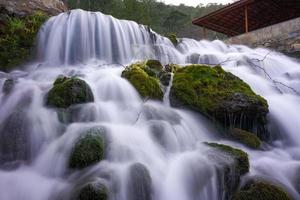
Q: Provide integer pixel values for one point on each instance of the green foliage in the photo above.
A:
(18, 38)
(240, 157)
(88, 150)
(93, 192)
(144, 78)
(69, 91)
(261, 191)
(245, 137)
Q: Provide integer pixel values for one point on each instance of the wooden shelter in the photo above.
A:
(248, 15)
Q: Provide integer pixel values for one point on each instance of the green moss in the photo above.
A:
(245, 137)
(144, 80)
(87, 150)
(173, 38)
(240, 157)
(219, 95)
(93, 192)
(261, 191)
(17, 39)
(69, 91)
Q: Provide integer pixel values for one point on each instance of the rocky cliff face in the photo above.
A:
(27, 7)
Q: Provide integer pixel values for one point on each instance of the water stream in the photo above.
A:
(35, 146)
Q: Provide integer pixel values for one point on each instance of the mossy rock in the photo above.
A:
(88, 150)
(173, 38)
(139, 183)
(231, 165)
(93, 191)
(240, 157)
(17, 38)
(220, 96)
(144, 79)
(261, 191)
(69, 91)
(245, 137)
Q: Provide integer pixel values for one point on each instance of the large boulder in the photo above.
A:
(220, 96)
(144, 77)
(261, 191)
(139, 183)
(88, 149)
(93, 191)
(231, 165)
(69, 91)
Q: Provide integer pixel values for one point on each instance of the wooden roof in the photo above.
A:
(248, 15)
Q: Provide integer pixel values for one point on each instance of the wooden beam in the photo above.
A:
(246, 19)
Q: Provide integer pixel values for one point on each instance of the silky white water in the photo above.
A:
(96, 47)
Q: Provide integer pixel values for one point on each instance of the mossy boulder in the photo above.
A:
(261, 191)
(229, 172)
(240, 157)
(69, 91)
(144, 77)
(245, 137)
(88, 149)
(93, 191)
(139, 183)
(220, 96)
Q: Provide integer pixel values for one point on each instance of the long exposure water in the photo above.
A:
(35, 146)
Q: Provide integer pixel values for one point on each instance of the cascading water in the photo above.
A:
(35, 146)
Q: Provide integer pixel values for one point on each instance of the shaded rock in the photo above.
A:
(245, 137)
(144, 79)
(261, 191)
(165, 78)
(8, 86)
(15, 143)
(221, 96)
(94, 191)
(88, 149)
(139, 183)
(69, 91)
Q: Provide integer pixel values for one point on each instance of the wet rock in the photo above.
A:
(93, 191)
(8, 86)
(139, 183)
(165, 78)
(261, 191)
(69, 91)
(220, 96)
(89, 149)
(15, 143)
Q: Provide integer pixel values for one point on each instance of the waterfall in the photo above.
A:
(35, 146)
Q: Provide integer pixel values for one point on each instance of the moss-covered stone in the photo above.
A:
(231, 164)
(261, 191)
(88, 150)
(240, 157)
(221, 96)
(69, 91)
(93, 191)
(245, 137)
(17, 38)
(173, 38)
(144, 79)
